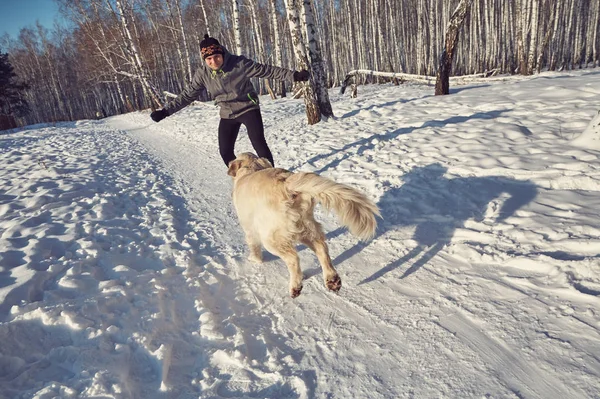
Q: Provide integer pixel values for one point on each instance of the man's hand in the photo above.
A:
(301, 76)
(159, 115)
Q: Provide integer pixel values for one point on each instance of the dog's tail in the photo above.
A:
(353, 208)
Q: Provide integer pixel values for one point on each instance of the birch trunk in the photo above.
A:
(592, 31)
(420, 38)
(558, 23)
(313, 112)
(594, 25)
(442, 85)
(184, 43)
(579, 58)
(547, 36)
(351, 35)
(569, 45)
(431, 19)
(236, 26)
(136, 57)
(177, 42)
(533, 41)
(277, 44)
(205, 17)
(319, 79)
(522, 32)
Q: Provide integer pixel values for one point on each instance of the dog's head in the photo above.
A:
(247, 163)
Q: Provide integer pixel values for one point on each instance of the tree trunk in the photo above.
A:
(420, 37)
(546, 40)
(319, 80)
(184, 43)
(205, 17)
(522, 34)
(442, 85)
(533, 41)
(276, 43)
(236, 26)
(594, 26)
(136, 57)
(313, 112)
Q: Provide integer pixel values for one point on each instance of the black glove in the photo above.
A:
(301, 76)
(159, 115)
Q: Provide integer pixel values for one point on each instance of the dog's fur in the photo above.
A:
(275, 209)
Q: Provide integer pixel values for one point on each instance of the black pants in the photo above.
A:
(228, 133)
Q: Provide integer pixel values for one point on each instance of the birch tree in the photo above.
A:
(442, 85)
(236, 26)
(533, 41)
(203, 8)
(319, 80)
(184, 42)
(594, 28)
(142, 75)
(313, 111)
(99, 63)
(546, 40)
(277, 59)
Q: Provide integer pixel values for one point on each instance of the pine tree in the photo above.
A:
(12, 103)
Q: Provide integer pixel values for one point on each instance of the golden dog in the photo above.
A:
(275, 209)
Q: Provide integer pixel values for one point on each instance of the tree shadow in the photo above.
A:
(454, 90)
(378, 105)
(369, 143)
(437, 206)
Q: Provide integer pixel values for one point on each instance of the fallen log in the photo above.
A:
(405, 77)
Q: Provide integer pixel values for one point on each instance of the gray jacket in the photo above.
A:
(230, 86)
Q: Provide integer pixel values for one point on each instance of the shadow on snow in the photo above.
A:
(437, 206)
(368, 143)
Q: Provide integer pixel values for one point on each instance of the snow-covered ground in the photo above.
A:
(124, 273)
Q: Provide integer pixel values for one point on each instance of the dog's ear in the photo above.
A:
(264, 162)
(234, 167)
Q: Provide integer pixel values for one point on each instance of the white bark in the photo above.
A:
(316, 61)
(445, 67)
(544, 44)
(420, 38)
(533, 41)
(568, 59)
(594, 25)
(205, 17)
(236, 26)
(188, 63)
(421, 79)
(141, 75)
(313, 112)
(277, 58)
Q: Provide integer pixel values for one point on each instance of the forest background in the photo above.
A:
(122, 55)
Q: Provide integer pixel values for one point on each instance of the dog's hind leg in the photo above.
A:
(255, 248)
(320, 248)
(288, 253)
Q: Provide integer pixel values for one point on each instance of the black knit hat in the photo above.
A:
(210, 46)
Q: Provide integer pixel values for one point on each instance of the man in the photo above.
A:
(227, 78)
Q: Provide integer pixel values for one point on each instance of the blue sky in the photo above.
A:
(17, 14)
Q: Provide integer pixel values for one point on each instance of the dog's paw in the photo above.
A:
(294, 292)
(334, 283)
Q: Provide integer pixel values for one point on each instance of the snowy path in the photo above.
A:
(124, 272)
